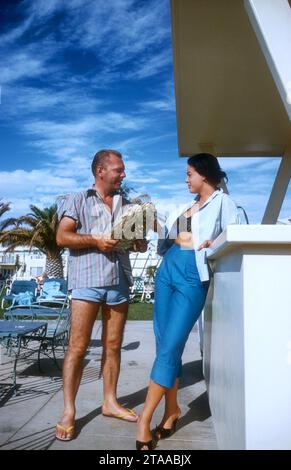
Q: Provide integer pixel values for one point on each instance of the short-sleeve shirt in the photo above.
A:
(90, 267)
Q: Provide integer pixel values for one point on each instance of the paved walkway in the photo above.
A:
(27, 420)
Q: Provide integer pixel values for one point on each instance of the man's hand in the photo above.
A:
(105, 244)
(205, 244)
(140, 245)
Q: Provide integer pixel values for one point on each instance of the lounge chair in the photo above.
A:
(54, 293)
(20, 287)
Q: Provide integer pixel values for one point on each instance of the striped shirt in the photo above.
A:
(90, 267)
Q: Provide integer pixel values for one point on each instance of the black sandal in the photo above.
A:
(150, 445)
(164, 433)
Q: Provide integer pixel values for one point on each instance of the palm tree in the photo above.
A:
(126, 191)
(4, 207)
(151, 272)
(37, 229)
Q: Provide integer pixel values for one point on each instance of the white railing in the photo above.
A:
(8, 259)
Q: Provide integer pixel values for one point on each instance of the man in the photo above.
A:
(98, 277)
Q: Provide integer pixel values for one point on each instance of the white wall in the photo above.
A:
(247, 338)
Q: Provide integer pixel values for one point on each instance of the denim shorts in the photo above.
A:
(110, 295)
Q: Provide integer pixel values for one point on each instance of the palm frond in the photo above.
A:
(7, 223)
(4, 207)
(37, 229)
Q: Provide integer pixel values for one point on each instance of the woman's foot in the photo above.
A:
(65, 429)
(149, 445)
(145, 439)
(118, 411)
(167, 427)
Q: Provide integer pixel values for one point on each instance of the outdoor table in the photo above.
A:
(32, 312)
(15, 335)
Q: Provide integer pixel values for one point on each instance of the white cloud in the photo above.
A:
(20, 65)
(173, 187)
(26, 100)
(15, 33)
(150, 65)
(236, 163)
(109, 122)
(160, 105)
(38, 187)
(21, 182)
(42, 9)
(117, 31)
(72, 138)
(124, 27)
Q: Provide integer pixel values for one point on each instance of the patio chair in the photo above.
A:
(17, 288)
(57, 336)
(148, 292)
(54, 292)
(2, 287)
(137, 290)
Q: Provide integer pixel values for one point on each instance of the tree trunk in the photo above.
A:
(54, 266)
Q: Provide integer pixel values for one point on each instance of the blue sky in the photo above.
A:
(80, 75)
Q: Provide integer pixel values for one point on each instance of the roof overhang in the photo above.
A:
(227, 101)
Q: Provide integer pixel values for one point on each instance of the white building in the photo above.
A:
(23, 263)
(26, 264)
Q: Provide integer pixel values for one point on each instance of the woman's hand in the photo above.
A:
(205, 244)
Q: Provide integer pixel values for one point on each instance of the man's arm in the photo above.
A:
(68, 238)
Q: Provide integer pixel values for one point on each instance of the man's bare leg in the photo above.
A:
(84, 314)
(114, 318)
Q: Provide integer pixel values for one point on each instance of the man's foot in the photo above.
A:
(65, 429)
(120, 412)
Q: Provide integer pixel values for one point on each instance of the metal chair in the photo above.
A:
(137, 289)
(54, 292)
(57, 335)
(19, 287)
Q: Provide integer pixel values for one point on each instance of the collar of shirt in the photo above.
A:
(177, 212)
(213, 195)
(91, 192)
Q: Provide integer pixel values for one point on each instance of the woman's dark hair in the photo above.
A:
(207, 165)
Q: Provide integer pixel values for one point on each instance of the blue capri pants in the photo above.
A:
(179, 300)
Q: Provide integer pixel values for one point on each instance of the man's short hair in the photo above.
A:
(101, 157)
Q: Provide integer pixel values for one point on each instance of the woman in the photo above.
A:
(181, 287)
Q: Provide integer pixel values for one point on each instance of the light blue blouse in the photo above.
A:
(207, 223)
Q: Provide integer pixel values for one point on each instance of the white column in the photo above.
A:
(271, 20)
(279, 190)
